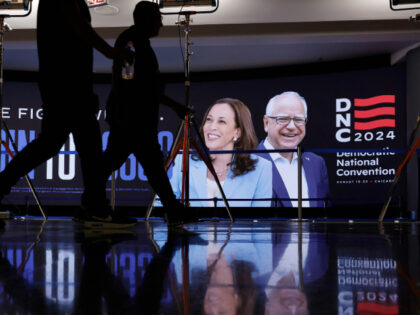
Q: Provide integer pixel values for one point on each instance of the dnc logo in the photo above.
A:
(360, 122)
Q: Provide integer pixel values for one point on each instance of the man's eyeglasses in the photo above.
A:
(285, 120)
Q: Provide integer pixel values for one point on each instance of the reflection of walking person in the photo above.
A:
(133, 107)
(66, 40)
(102, 292)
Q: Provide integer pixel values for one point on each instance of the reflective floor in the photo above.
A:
(266, 267)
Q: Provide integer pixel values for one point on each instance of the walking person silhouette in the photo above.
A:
(66, 41)
(133, 108)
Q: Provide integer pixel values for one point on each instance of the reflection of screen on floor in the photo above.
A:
(179, 3)
(95, 3)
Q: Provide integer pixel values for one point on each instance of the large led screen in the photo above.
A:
(356, 121)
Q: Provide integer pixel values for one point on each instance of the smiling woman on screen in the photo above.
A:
(245, 178)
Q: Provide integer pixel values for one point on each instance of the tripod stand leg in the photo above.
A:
(206, 158)
(210, 166)
(174, 150)
(167, 165)
(34, 193)
(407, 158)
(385, 209)
(185, 195)
(28, 180)
(113, 187)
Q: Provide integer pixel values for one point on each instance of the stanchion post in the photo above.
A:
(299, 153)
(300, 256)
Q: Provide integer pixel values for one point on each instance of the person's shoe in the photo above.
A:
(3, 189)
(106, 218)
(4, 214)
(2, 225)
(111, 220)
(174, 219)
(80, 215)
(101, 216)
(177, 215)
(109, 236)
(1, 199)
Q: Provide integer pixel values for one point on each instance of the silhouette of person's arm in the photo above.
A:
(179, 108)
(71, 12)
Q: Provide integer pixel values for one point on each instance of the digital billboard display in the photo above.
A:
(355, 120)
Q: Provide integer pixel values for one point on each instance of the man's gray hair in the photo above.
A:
(272, 101)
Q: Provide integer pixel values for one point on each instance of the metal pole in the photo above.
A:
(299, 153)
(185, 163)
(187, 130)
(1, 69)
(300, 256)
(113, 187)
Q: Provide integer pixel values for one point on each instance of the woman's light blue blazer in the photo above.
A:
(256, 184)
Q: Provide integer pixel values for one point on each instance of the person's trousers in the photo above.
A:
(56, 126)
(145, 147)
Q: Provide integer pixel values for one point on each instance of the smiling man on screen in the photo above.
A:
(285, 124)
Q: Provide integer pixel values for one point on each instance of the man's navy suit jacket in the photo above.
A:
(316, 177)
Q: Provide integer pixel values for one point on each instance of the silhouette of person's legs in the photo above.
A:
(148, 154)
(53, 134)
(87, 138)
(151, 158)
(116, 152)
(57, 124)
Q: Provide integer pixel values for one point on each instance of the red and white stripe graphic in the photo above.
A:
(93, 3)
(370, 115)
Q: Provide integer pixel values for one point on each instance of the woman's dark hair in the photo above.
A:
(242, 162)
